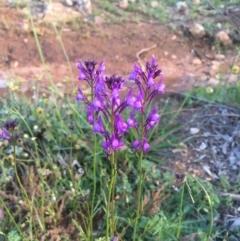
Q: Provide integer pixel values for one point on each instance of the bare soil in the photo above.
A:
(117, 44)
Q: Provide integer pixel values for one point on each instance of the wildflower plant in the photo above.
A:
(105, 110)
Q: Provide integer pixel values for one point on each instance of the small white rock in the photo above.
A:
(154, 4)
(123, 4)
(196, 61)
(173, 56)
(197, 30)
(196, 2)
(194, 131)
(220, 57)
(181, 7)
(223, 38)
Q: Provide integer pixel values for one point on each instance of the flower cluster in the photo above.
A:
(9, 131)
(106, 106)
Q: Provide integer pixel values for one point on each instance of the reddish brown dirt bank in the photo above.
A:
(117, 45)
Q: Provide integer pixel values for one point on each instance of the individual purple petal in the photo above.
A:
(131, 122)
(80, 96)
(145, 145)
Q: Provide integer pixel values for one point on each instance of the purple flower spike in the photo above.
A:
(145, 145)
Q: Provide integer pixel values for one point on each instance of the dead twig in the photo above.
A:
(235, 197)
(142, 51)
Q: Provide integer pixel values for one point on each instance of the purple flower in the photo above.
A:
(152, 119)
(138, 104)
(130, 99)
(5, 135)
(161, 86)
(10, 125)
(116, 142)
(131, 121)
(138, 70)
(106, 145)
(90, 115)
(80, 96)
(120, 126)
(90, 65)
(145, 145)
(100, 85)
(141, 145)
(114, 81)
(83, 72)
(98, 126)
(136, 145)
(97, 103)
(150, 81)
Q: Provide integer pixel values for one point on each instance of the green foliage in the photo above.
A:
(13, 236)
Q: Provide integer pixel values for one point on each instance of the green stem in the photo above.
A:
(139, 196)
(211, 209)
(110, 206)
(94, 183)
(180, 212)
(21, 186)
